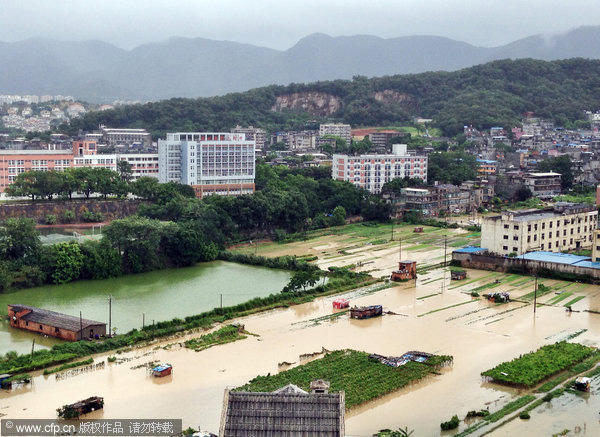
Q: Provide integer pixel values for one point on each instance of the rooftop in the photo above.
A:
(283, 413)
(51, 318)
(541, 175)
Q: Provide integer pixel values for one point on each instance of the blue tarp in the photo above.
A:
(160, 368)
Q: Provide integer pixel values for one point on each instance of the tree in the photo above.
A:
(19, 239)
(302, 279)
(338, 217)
(137, 239)
(101, 260)
(146, 187)
(67, 262)
(124, 170)
(523, 193)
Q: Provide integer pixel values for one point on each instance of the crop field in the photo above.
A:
(351, 371)
(532, 368)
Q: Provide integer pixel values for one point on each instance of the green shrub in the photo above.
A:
(50, 219)
(451, 424)
(92, 217)
(524, 415)
(68, 216)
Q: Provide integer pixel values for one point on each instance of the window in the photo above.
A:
(515, 238)
(505, 226)
(550, 225)
(535, 227)
(542, 235)
(528, 238)
(41, 327)
(504, 247)
(549, 245)
(535, 238)
(543, 225)
(515, 249)
(528, 228)
(506, 237)
(56, 330)
(516, 227)
(542, 247)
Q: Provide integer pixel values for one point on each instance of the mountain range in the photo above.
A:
(195, 67)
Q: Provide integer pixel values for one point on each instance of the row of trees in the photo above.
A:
(37, 184)
(131, 245)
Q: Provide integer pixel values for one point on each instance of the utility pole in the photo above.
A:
(32, 347)
(400, 250)
(221, 300)
(80, 326)
(143, 320)
(109, 314)
(444, 266)
(535, 294)
(392, 229)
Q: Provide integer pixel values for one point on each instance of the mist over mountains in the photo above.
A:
(184, 67)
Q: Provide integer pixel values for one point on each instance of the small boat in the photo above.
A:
(162, 370)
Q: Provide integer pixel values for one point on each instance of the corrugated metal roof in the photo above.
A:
(561, 258)
(554, 257)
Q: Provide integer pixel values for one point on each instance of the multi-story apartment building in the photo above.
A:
(567, 226)
(486, 168)
(259, 136)
(382, 139)
(212, 163)
(343, 131)
(543, 185)
(83, 154)
(114, 137)
(372, 171)
(14, 162)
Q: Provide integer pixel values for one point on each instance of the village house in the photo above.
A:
(284, 412)
(54, 324)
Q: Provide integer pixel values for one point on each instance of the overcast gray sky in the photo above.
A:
(280, 24)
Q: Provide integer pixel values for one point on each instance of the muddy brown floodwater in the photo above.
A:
(479, 335)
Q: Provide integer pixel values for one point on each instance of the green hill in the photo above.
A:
(496, 93)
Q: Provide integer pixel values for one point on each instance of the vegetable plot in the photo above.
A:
(534, 367)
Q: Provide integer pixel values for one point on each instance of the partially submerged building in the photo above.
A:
(288, 411)
(54, 324)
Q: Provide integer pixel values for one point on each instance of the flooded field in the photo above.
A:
(154, 296)
(431, 314)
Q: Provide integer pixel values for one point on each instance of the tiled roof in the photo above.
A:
(283, 414)
(51, 318)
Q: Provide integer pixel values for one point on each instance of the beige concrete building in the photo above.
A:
(596, 246)
(567, 226)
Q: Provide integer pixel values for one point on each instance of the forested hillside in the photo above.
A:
(496, 93)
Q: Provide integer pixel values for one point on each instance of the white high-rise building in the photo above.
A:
(211, 162)
(372, 171)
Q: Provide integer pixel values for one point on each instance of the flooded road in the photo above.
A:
(159, 295)
(427, 316)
